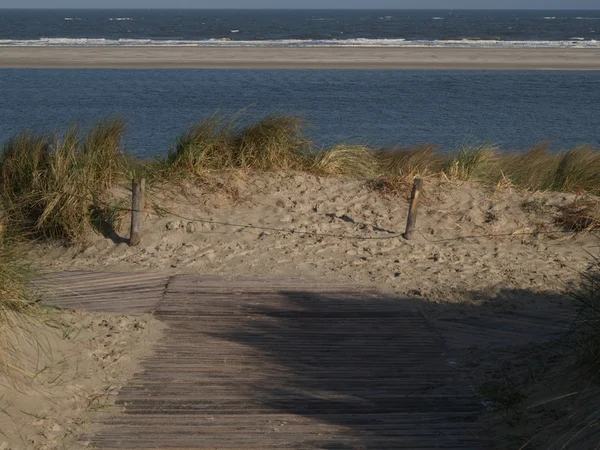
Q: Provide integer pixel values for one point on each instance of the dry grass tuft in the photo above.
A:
(411, 162)
(50, 182)
(393, 186)
(580, 215)
(275, 143)
(349, 160)
(578, 170)
(205, 146)
(217, 144)
(533, 169)
(474, 162)
(14, 277)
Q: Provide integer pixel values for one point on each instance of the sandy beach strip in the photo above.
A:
(299, 58)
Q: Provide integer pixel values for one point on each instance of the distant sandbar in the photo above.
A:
(299, 58)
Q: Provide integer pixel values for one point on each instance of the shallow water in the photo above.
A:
(515, 109)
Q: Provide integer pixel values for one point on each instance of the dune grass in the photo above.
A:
(274, 143)
(19, 309)
(206, 145)
(218, 143)
(50, 182)
(350, 160)
(411, 162)
(533, 169)
(14, 277)
(578, 170)
(473, 162)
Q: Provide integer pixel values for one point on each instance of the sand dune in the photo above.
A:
(436, 265)
(495, 248)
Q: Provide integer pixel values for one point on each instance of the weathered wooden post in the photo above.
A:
(412, 211)
(138, 189)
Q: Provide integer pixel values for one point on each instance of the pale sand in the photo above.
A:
(299, 58)
(64, 369)
(516, 271)
(434, 264)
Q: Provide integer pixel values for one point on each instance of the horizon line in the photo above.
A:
(292, 9)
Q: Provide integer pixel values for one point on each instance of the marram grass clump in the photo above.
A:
(50, 182)
(410, 162)
(275, 143)
(205, 146)
(575, 170)
(14, 279)
(473, 162)
(217, 143)
(349, 160)
(578, 170)
(534, 169)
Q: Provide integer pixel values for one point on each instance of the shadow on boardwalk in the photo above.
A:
(366, 371)
(374, 368)
(251, 365)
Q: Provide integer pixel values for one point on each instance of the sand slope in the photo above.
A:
(63, 370)
(435, 265)
(494, 248)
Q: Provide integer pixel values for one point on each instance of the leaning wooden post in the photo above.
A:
(412, 212)
(138, 188)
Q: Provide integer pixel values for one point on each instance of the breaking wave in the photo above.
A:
(574, 42)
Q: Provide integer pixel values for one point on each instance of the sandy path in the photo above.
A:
(300, 58)
(255, 362)
(511, 271)
(252, 362)
(436, 264)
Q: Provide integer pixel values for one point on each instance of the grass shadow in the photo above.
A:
(105, 220)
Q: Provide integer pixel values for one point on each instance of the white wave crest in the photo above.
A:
(121, 18)
(358, 42)
(587, 18)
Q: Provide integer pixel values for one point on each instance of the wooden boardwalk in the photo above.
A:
(256, 364)
(123, 293)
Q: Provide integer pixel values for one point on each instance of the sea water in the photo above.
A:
(384, 28)
(514, 109)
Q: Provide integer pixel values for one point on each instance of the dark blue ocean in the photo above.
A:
(464, 28)
(515, 109)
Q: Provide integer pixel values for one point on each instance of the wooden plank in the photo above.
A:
(411, 220)
(129, 293)
(274, 363)
(347, 368)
